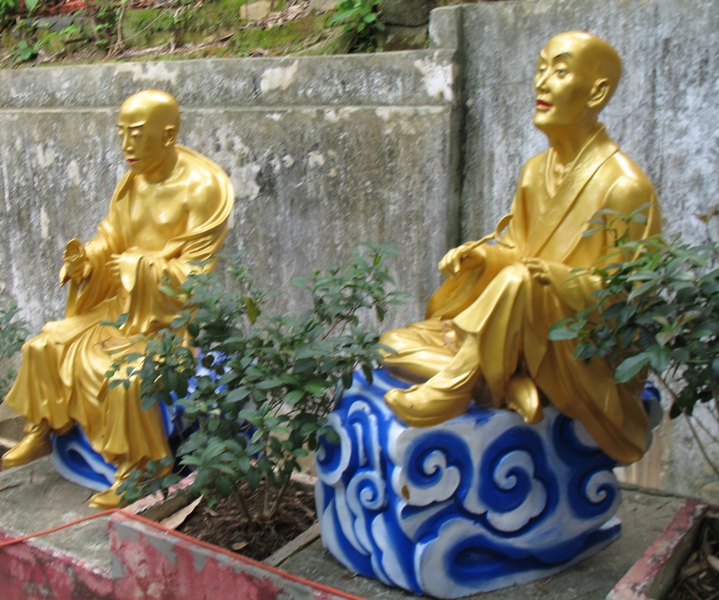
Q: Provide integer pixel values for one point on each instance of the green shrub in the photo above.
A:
(13, 332)
(658, 311)
(361, 19)
(270, 380)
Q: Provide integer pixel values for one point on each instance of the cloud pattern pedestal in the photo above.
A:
(480, 502)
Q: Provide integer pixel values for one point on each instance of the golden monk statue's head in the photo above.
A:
(148, 125)
(577, 73)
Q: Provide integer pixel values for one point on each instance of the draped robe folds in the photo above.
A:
(62, 374)
(509, 311)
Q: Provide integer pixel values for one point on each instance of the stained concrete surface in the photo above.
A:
(34, 498)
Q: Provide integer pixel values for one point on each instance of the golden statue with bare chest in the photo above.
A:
(168, 214)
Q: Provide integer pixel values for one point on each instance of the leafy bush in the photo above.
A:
(361, 20)
(267, 381)
(657, 311)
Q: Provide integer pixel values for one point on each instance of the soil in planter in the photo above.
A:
(699, 578)
(224, 525)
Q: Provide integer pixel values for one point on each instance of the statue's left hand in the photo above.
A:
(537, 270)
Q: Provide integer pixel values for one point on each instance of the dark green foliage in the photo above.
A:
(270, 379)
(141, 483)
(658, 310)
(361, 19)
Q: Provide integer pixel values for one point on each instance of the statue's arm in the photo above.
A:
(628, 195)
(90, 282)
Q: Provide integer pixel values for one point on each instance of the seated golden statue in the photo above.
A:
(486, 329)
(168, 212)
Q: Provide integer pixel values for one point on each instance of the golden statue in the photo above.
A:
(486, 328)
(168, 213)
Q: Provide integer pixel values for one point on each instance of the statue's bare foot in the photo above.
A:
(424, 405)
(34, 445)
(522, 396)
(107, 499)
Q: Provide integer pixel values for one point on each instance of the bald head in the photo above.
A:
(597, 56)
(577, 74)
(158, 106)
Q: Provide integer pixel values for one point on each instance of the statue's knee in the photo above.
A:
(391, 338)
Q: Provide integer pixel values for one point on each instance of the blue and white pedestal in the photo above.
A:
(77, 461)
(480, 502)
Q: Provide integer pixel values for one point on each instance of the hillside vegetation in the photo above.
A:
(39, 32)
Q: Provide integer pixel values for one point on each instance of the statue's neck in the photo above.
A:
(163, 170)
(567, 144)
(564, 153)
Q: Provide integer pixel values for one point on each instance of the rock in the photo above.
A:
(410, 13)
(254, 11)
(319, 7)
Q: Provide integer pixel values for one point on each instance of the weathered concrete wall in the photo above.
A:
(323, 153)
(663, 115)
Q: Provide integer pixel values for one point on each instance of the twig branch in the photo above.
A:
(702, 449)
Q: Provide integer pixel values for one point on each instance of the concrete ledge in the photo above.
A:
(403, 78)
(655, 573)
(151, 562)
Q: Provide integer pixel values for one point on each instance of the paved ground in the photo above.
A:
(34, 498)
(644, 514)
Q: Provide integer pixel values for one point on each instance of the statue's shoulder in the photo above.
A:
(209, 194)
(626, 175)
(629, 188)
(197, 166)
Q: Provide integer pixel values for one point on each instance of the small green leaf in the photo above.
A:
(630, 367)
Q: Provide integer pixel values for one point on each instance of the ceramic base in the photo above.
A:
(480, 502)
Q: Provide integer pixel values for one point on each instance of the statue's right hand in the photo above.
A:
(467, 257)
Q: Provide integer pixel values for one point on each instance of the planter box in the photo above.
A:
(150, 557)
(654, 574)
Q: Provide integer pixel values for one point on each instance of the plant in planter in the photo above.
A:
(266, 382)
(658, 311)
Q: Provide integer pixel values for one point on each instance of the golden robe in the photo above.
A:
(62, 373)
(510, 312)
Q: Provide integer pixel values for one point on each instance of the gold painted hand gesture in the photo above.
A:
(76, 266)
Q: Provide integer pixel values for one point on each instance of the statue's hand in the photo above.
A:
(76, 266)
(538, 270)
(123, 268)
(467, 257)
(113, 265)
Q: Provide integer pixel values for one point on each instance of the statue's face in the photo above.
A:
(144, 138)
(563, 82)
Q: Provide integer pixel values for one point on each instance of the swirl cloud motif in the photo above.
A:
(480, 502)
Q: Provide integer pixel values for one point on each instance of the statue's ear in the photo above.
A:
(599, 94)
(170, 135)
